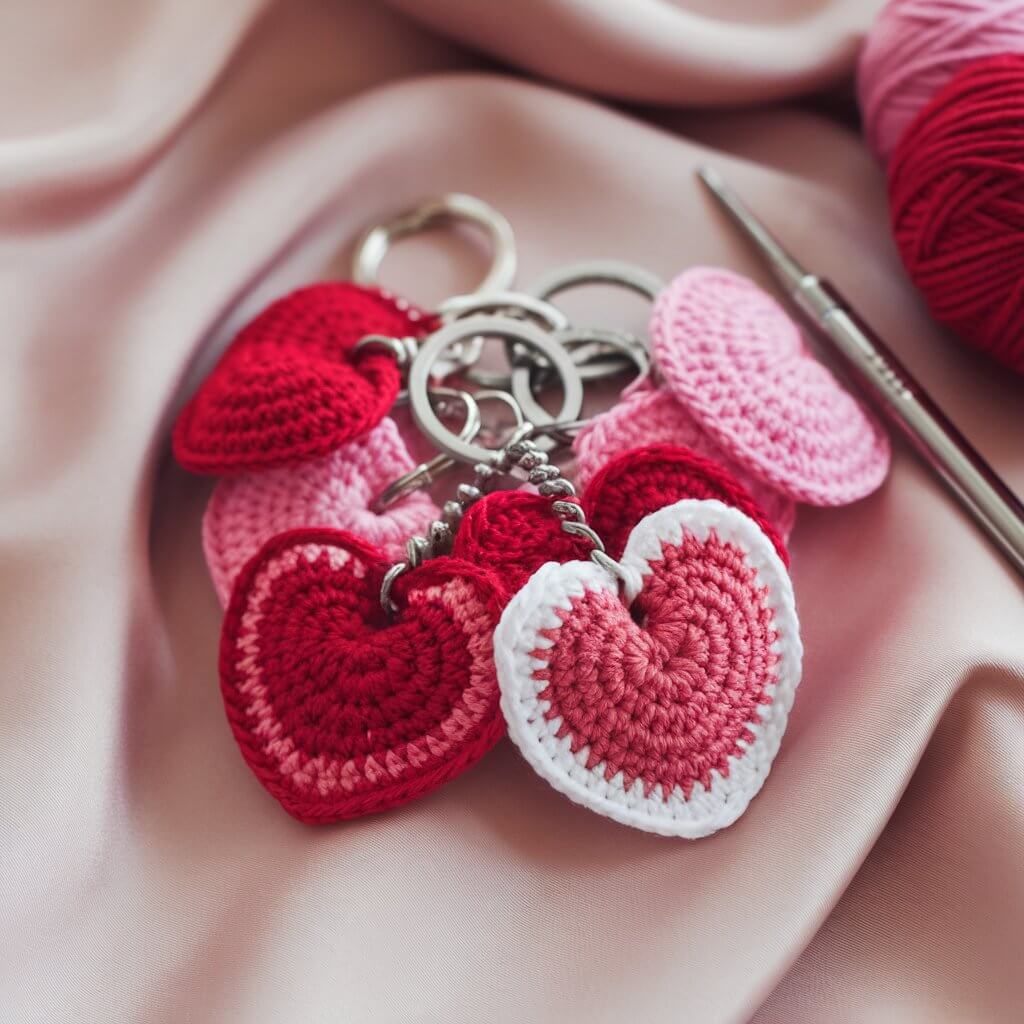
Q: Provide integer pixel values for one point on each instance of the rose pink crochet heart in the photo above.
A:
(740, 366)
(648, 415)
(665, 714)
(335, 491)
(339, 710)
(292, 385)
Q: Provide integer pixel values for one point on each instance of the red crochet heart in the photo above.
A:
(642, 480)
(513, 533)
(291, 386)
(339, 711)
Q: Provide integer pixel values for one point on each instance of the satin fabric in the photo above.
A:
(166, 168)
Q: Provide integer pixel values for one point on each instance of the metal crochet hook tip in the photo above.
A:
(971, 480)
(784, 265)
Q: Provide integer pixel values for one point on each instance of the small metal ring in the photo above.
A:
(387, 583)
(500, 395)
(427, 472)
(374, 243)
(578, 529)
(403, 349)
(613, 272)
(487, 326)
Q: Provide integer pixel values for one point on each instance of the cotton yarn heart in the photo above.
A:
(292, 386)
(334, 491)
(643, 480)
(666, 715)
(729, 353)
(513, 533)
(649, 415)
(340, 711)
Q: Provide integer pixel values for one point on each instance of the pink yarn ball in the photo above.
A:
(916, 46)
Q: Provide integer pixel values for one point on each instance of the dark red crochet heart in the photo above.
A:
(339, 710)
(291, 387)
(513, 533)
(642, 480)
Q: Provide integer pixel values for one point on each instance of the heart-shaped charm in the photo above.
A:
(642, 480)
(730, 354)
(340, 711)
(648, 415)
(334, 491)
(513, 533)
(292, 386)
(664, 715)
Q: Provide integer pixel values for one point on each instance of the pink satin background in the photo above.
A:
(168, 167)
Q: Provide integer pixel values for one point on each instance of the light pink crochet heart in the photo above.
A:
(649, 415)
(334, 491)
(740, 366)
(665, 711)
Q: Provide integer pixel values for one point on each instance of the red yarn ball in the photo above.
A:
(956, 198)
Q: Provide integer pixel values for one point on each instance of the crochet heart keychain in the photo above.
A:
(665, 710)
(296, 383)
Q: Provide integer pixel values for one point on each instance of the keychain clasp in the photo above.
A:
(373, 245)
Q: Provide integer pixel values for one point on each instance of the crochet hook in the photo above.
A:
(986, 497)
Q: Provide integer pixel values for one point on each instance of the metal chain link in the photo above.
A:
(520, 453)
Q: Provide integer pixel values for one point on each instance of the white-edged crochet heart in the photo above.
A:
(666, 712)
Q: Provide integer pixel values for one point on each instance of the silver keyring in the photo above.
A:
(372, 246)
(492, 327)
(613, 272)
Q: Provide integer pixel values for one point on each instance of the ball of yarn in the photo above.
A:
(956, 198)
(916, 46)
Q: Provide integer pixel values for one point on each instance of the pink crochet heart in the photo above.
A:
(648, 415)
(664, 713)
(740, 366)
(334, 491)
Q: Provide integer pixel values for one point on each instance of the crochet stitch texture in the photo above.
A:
(740, 366)
(514, 533)
(333, 491)
(340, 711)
(642, 480)
(291, 386)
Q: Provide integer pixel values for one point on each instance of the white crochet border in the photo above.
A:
(554, 586)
